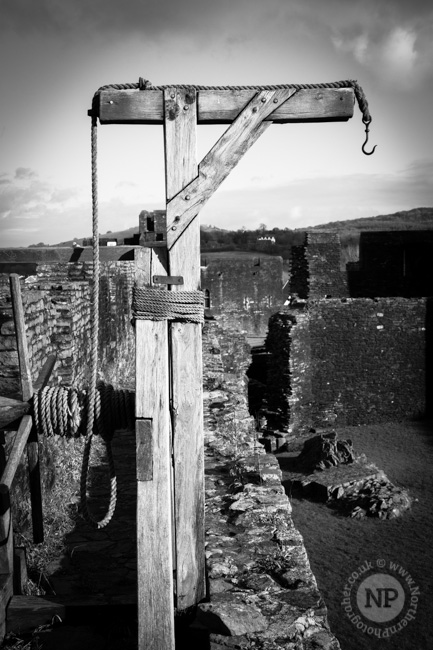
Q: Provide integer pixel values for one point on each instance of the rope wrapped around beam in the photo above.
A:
(158, 304)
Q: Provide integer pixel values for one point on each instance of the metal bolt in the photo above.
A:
(185, 108)
(187, 198)
(111, 101)
(255, 109)
(263, 99)
(173, 227)
(172, 95)
(275, 101)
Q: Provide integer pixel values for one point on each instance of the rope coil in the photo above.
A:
(157, 305)
(61, 411)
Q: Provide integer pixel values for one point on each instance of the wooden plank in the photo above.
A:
(33, 464)
(223, 106)
(6, 533)
(154, 524)
(45, 373)
(17, 450)
(26, 613)
(312, 105)
(186, 365)
(6, 591)
(220, 160)
(11, 409)
(20, 331)
(20, 570)
(144, 450)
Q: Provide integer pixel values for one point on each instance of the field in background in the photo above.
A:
(337, 546)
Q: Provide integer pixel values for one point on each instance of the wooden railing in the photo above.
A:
(26, 437)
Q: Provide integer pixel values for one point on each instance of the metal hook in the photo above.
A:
(367, 129)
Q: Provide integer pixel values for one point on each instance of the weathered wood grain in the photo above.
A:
(16, 452)
(6, 533)
(11, 409)
(6, 591)
(223, 106)
(186, 362)
(20, 331)
(154, 516)
(45, 374)
(221, 159)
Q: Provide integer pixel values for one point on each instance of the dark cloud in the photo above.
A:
(102, 16)
(24, 173)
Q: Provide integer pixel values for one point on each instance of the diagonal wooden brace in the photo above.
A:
(221, 159)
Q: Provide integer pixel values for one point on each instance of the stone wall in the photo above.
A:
(337, 362)
(243, 290)
(315, 267)
(56, 303)
(261, 590)
(393, 263)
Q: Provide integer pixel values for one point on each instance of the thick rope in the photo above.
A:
(61, 411)
(156, 304)
(92, 415)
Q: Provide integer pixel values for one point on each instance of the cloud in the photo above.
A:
(24, 173)
(100, 16)
(311, 201)
(25, 198)
(394, 44)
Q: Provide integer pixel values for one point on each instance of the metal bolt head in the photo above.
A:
(275, 101)
(111, 101)
(254, 109)
(263, 99)
(173, 227)
(172, 95)
(186, 108)
(187, 197)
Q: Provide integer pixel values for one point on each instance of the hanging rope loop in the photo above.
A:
(62, 411)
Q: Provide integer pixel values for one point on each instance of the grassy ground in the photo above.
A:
(60, 475)
(337, 546)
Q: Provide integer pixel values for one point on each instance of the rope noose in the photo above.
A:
(93, 409)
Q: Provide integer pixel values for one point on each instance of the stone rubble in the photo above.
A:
(262, 592)
(328, 469)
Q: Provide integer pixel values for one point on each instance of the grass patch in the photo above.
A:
(60, 461)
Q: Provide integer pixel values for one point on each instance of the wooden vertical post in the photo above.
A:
(180, 120)
(20, 330)
(27, 394)
(154, 523)
(6, 534)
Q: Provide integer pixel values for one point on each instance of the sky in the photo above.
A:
(55, 54)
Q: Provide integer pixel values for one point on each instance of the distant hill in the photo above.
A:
(416, 219)
(214, 238)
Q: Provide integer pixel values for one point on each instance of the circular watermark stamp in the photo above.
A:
(380, 598)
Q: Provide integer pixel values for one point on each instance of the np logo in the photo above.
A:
(380, 598)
